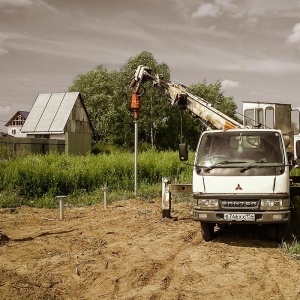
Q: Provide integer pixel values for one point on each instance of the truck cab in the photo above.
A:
(241, 176)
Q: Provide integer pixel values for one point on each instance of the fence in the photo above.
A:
(31, 145)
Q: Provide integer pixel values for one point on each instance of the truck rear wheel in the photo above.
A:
(207, 231)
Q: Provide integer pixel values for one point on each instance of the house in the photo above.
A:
(60, 117)
(14, 125)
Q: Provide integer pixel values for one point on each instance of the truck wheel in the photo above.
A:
(281, 232)
(207, 231)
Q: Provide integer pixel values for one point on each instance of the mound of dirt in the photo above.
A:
(127, 251)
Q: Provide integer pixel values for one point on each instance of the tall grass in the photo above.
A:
(291, 248)
(36, 179)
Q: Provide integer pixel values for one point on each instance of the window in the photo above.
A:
(236, 148)
(253, 117)
(259, 117)
(269, 117)
(249, 117)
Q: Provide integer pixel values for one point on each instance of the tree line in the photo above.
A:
(107, 97)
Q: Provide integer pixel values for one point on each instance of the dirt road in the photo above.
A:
(128, 251)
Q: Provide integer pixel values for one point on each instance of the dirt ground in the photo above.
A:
(127, 251)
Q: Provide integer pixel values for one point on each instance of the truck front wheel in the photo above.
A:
(207, 231)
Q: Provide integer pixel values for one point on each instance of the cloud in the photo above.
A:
(294, 38)
(245, 10)
(230, 83)
(4, 108)
(16, 2)
(11, 6)
(206, 10)
(215, 10)
(3, 51)
(251, 22)
(4, 38)
(269, 66)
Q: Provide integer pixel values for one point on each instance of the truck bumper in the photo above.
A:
(260, 217)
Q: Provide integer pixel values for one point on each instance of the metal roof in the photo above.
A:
(50, 113)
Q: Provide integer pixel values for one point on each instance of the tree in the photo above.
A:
(107, 98)
(96, 90)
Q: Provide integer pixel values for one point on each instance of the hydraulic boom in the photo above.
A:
(179, 96)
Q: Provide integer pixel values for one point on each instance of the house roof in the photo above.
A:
(24, 113)
(21, 112)
(50, 113)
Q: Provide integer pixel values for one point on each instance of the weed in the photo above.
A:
(292, 249)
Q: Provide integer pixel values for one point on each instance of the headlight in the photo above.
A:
(274, 204)
(208, 203)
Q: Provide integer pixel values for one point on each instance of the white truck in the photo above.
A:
(241, 172)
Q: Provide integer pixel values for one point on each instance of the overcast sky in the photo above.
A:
(251, 46)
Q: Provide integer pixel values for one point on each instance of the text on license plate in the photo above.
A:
(239, 217)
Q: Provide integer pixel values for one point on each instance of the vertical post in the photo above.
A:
(104, 189)
(135, 154)
(61, 207)
(135, 105)
(166, 198)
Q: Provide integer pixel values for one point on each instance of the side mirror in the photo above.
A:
(297, 148)
(183, 152)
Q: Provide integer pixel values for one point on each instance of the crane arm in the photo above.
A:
(179, 96)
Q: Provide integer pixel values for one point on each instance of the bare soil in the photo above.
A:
(127, 251)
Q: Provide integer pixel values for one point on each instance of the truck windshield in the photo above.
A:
(240, 148)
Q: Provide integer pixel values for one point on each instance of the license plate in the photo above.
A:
(239, 217)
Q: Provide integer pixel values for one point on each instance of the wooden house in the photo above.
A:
(60, 116)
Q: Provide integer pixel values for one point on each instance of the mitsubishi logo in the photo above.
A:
(238, 187)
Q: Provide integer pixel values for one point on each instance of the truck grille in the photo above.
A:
(239, 204)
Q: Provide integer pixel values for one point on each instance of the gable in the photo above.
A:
(18, 119)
